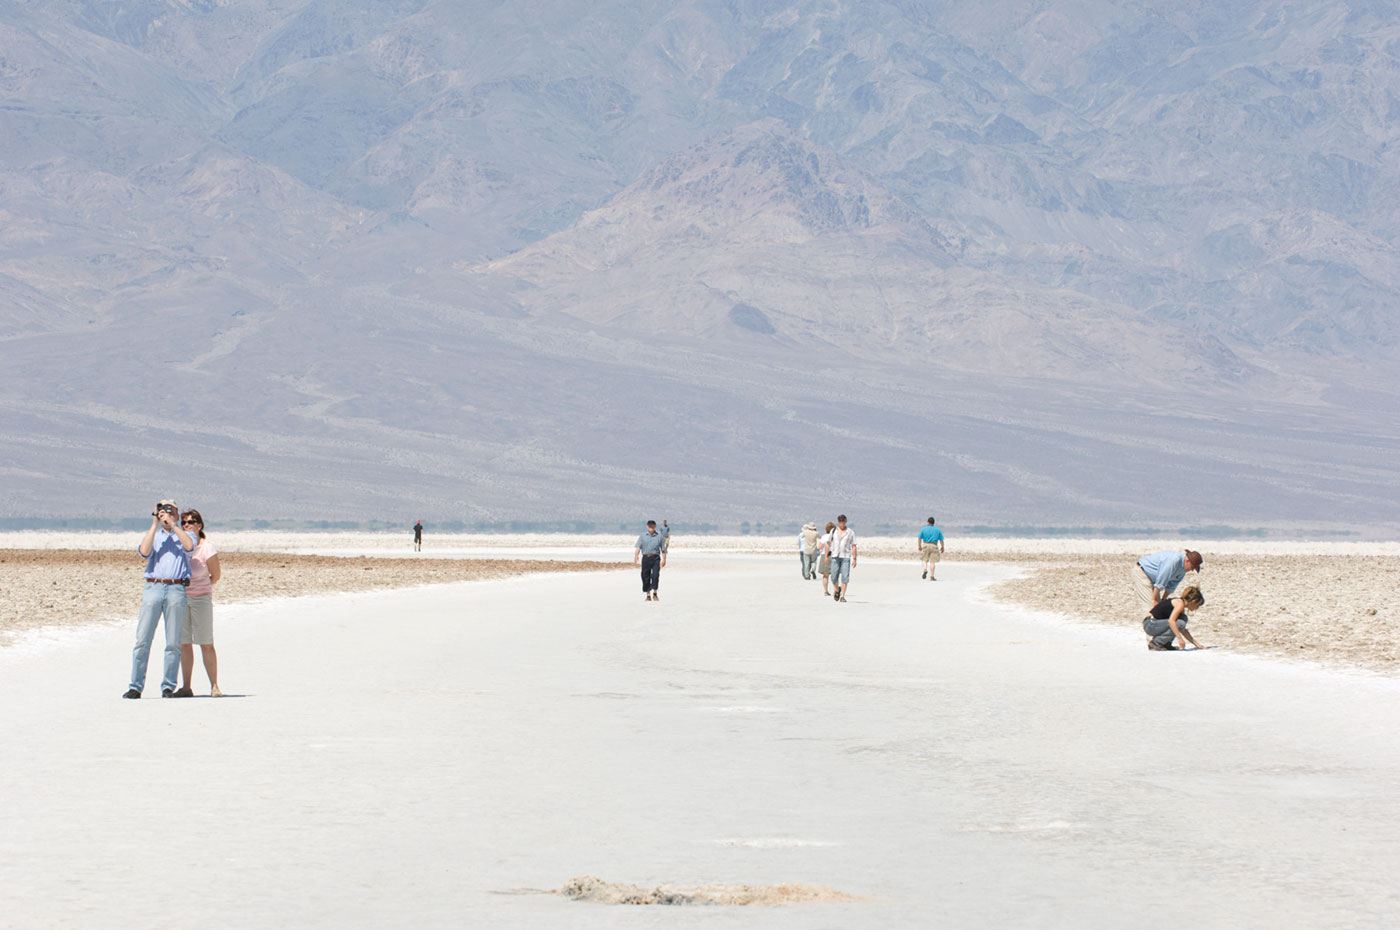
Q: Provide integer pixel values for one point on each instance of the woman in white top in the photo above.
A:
(199, 618)
(824, 563)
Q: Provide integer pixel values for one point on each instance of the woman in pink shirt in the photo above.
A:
(199, 620)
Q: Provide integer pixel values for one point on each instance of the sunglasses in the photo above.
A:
(189, 523)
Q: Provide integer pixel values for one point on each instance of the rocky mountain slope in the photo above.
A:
(566, 260)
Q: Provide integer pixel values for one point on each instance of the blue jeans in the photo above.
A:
(1161, 630)
(840, 571)
(157, 599)
(809, 564)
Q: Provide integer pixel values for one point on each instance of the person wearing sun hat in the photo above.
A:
(1156, 576)
(166, 547)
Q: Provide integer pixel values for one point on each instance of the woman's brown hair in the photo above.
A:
(194, 515)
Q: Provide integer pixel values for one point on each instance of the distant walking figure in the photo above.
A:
(166, 548)
(651, 552)
(1157, 575)
(807, 543)
(1168, 618)
(418, 536)
(930, 548)
(843, 558)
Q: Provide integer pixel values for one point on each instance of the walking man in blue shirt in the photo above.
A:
(1156, 576)
(651, 551)
(166, 547)
(930, 548)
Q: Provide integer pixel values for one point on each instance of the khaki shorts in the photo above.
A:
(930, 553)
(199, 620)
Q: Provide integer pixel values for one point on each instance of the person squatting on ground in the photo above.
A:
(807, 550)
(651, 551)
(824, 563)
(930, 545)
(1168, 618)
(1157, 575)
(843, 558)
(166, 548)
(199, 612)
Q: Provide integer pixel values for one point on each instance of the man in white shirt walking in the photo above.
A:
(843, 558)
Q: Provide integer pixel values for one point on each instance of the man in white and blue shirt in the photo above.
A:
(166, 547)
(651, 551)
(843, 559)
(1156, 576)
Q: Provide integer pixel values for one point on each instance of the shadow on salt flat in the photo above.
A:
(776, 842)
(1053, 826)
(598, 891)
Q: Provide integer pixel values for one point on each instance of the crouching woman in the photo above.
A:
(1166, 623)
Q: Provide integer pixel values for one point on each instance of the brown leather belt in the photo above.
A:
(182, 581)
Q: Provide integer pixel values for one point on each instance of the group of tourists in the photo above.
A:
(830, 555)
(182, 567)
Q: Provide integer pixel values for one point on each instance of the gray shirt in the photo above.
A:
(651, 543)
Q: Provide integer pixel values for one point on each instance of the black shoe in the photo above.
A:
(186, 691)
(1152, 645)
(925, 574)
(167, 693)
(132, 693)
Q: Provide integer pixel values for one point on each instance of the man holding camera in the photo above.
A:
(166, 547)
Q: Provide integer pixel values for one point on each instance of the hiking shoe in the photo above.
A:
(186, 691)
(132, 693)
(1154, 646)
(925, 574)
(167, 693)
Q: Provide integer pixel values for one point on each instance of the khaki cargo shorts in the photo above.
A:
(199, 620)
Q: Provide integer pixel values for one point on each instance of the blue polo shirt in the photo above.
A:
(168, 559)
(651, 543)
(1166, 568)
(930, 534)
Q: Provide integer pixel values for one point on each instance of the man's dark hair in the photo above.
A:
(841, 517)
(651, 523)
(930, 521)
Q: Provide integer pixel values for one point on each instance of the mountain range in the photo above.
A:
(1069, 262)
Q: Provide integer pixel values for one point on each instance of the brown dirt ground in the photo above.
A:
(1337, 610)
(65, 587)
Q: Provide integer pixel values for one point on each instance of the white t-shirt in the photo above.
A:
(842, 543)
